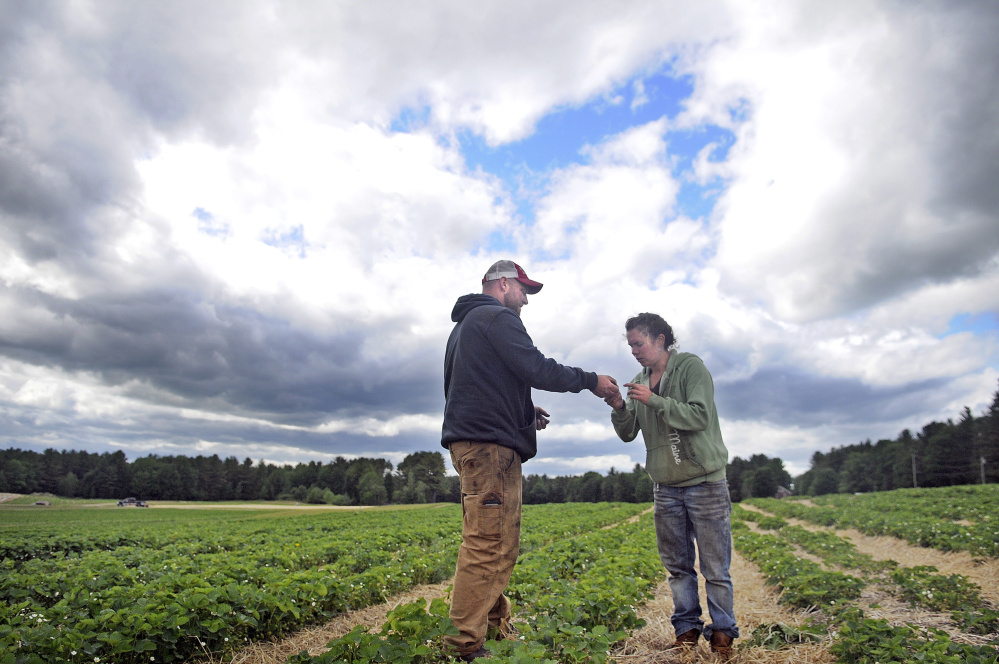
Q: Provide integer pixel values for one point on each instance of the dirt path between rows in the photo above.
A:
(878, 603)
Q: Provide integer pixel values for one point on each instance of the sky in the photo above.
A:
(239, 227)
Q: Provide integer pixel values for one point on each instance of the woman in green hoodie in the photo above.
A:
(671, 401)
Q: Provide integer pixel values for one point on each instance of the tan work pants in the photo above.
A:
(490, 539)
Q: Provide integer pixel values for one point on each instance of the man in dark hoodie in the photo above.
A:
(490, 428)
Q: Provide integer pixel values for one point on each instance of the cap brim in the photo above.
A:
(532, 286)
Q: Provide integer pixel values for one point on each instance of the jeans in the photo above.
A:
(490, 539)
(698, 513)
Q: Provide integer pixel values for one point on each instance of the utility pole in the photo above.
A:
(983, 470)
(914, 485)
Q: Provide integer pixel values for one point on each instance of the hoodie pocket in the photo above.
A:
(667, 462)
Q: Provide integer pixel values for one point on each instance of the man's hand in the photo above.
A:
(606, 387)
(542, 417)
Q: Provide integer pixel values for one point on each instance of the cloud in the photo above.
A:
(580, 465)
(845, 189)
(240, 229)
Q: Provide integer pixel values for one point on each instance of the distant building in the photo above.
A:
(783, 492)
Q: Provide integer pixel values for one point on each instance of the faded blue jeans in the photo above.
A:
(700, 513)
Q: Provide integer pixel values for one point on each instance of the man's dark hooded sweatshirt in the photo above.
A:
(490, 366)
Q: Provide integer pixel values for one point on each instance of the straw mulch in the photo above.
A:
(755, 605)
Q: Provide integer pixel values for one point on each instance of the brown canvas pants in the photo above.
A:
(490, 539)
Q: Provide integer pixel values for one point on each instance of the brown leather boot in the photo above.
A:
(721, 643)
(686, 640)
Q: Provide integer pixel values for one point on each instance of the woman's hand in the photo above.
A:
(639, 392)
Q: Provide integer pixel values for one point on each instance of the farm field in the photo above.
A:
(177, 585)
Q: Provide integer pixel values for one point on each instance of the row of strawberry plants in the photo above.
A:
(860, 639)
(826, 545)
(580, 596)
(920, 586)
(146, 605)
(952, 519)
(924, 587)
(576, 596)
(975, 503)
(803, 583)
(864, 640)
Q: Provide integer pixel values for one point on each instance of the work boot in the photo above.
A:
(721, 644)
(480, 653)
(686, 640)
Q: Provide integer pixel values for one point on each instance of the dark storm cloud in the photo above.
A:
(223, 357)
(786, 396)
(86, 90)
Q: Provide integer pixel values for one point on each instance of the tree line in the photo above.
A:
(419, 478)
(942, 454)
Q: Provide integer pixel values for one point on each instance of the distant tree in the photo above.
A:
(734, 472)
(371, 488)
(50, 469)
(108, 479)
(17, 477)
(988, 441)
(314, 495)
(450, 489)
(618, 487)
(856, 475)
(331, 498)
(422, 474)
(68, 485)
(947, 453)
(825, 481)
(333, 475)
(643, 485)
(760, 483)
(536, 490)
(759, 476)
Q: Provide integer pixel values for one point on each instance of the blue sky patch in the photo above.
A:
(293, 238)
(208, 224)
(981, 323)
(559, 137)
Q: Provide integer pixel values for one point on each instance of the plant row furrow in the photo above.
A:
(858, 638)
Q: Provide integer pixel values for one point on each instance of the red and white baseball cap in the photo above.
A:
(511, 270)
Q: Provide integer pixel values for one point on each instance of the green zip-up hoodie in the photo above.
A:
(683, 441)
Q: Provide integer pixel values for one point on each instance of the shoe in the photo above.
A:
(721, 644)
(481, 653)
(686, 640)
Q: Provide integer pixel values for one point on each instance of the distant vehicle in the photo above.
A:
(132, 502)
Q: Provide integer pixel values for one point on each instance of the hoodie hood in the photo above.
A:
(466, 303)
